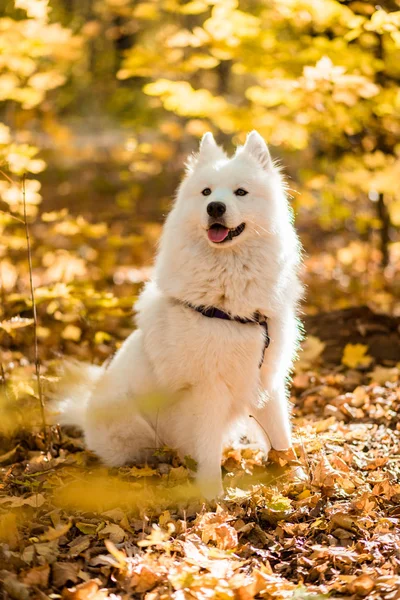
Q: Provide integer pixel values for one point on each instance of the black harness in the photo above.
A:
(215, 313)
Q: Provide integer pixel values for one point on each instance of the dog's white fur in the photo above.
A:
(185, 380)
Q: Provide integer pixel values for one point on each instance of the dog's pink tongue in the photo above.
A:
(218, 234)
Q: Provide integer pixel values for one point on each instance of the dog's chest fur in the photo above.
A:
(187, 348)
(240, 283)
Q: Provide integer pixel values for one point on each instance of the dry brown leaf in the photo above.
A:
(144, 578)
(78, 545)
(115, 514)
(113, 532)
(89, 590)
(214, 527)
(386, 489)
(324, 474)
(383, 375)
(9, 456)
(53, 533)
(36, 501)
(282, 457)
(47, 551)
(64, 572)
(13, 587)
(37, 576)
(344, 520)
(333, 473)
(365, 503)
(362, 585)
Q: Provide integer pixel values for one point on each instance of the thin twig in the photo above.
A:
(259, 424)
(4, 212)
(4, 381)
(2, 293)
(269, 439)
(6, 177)
(306, 459)
(37, 361)
(15, 218)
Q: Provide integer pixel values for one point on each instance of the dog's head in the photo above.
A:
(226, 200)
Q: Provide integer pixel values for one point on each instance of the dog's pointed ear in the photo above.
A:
(208, 144)
(209, 151)
(258, 149)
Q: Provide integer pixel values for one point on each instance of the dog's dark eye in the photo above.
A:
(240, 192)
(206, 192)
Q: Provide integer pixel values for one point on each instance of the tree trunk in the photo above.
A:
(383, 213)
(384, 218)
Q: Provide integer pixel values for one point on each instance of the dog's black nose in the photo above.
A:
(216, 209)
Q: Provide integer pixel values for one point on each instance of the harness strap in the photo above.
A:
(216, 313)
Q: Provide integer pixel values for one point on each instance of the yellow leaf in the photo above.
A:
(43, 332)
(36, 10)
(5, 136)
(15, 323)
(101, 337)
(202, 61)
(304, 494)
(194, 8)
(46, 81)
(180, 97)
(71, 332)
(354, 355)
(164, 518)
(394, 210)
(144, 472)
(9, 529)
(146, 11)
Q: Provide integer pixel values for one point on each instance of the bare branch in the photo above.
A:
(37, 361)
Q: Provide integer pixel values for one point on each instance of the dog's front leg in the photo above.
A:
(274, 419)
(208, 476)
(198, 426)
(207, 451)
(274, 416)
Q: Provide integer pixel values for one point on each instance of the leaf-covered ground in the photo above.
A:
(323, 522)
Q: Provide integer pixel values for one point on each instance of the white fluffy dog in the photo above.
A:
(225, 278)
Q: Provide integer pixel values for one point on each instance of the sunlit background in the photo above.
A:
(102, 100)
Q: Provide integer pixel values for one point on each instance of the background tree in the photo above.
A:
(112, 95)
(318, 79)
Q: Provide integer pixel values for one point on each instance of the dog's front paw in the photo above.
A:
(289, 462)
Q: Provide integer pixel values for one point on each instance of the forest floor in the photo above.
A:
(323, 521)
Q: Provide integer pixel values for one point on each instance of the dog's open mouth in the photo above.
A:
(218, 233)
